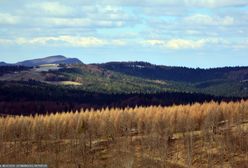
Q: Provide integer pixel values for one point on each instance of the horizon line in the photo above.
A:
(129, 61)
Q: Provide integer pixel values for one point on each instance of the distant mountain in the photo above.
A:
(58, 59)
(3, 64)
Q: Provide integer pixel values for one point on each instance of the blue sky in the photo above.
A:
(193, 33)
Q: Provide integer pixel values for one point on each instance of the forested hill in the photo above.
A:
(133, 77)
(181, 74)
(226, 81)
(64, 84)
(33, 97)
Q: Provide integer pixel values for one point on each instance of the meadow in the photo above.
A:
(197, 135)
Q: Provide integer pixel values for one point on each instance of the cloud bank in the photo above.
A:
(157, 26)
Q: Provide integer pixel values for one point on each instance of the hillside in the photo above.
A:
(181, 74)
(130, 77)
(89, 78)
(228, 81)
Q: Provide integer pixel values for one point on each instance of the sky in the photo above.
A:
(191, 33)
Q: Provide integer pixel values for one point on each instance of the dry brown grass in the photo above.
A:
(199, 135)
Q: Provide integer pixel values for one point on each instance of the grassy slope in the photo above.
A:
(94, 78)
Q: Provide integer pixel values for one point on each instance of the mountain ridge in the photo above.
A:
(3, 63)
(61, 58)
(56, 59)
(175, 73)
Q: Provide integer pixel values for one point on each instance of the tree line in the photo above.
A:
(12, 69)
(31, 97)
(182, 74)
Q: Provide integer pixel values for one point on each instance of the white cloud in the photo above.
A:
(183, 43)
(69, 22)
(187, 3)
(83, 41)
(81, 22)
(200, 19)
(108, 22)
(52, 8)
(54, 14)
(5, 42)
(216, 3)
(241, 45)
(65, 41)
(6, 18)
(118, 42)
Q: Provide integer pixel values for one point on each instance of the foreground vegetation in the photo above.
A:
(199, 135)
